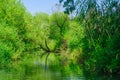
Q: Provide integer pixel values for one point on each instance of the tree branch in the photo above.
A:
(47, 45)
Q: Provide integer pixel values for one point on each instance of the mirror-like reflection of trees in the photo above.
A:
(87, 43)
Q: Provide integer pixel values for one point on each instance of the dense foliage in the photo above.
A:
(12, 30)
(101, 46)
(89, 40)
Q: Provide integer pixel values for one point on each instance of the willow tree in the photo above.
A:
(50, 32)
(59, 23)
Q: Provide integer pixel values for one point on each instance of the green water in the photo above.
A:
(37, 71)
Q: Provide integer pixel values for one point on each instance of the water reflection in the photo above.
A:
(102, 77)
(37, 72)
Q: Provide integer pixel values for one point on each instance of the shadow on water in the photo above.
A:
(102, 77)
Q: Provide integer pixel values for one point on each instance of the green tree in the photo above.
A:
(12, 30)
(100, 20)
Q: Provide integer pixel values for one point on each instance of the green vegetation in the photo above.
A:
(101, 48)
(89, 41)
